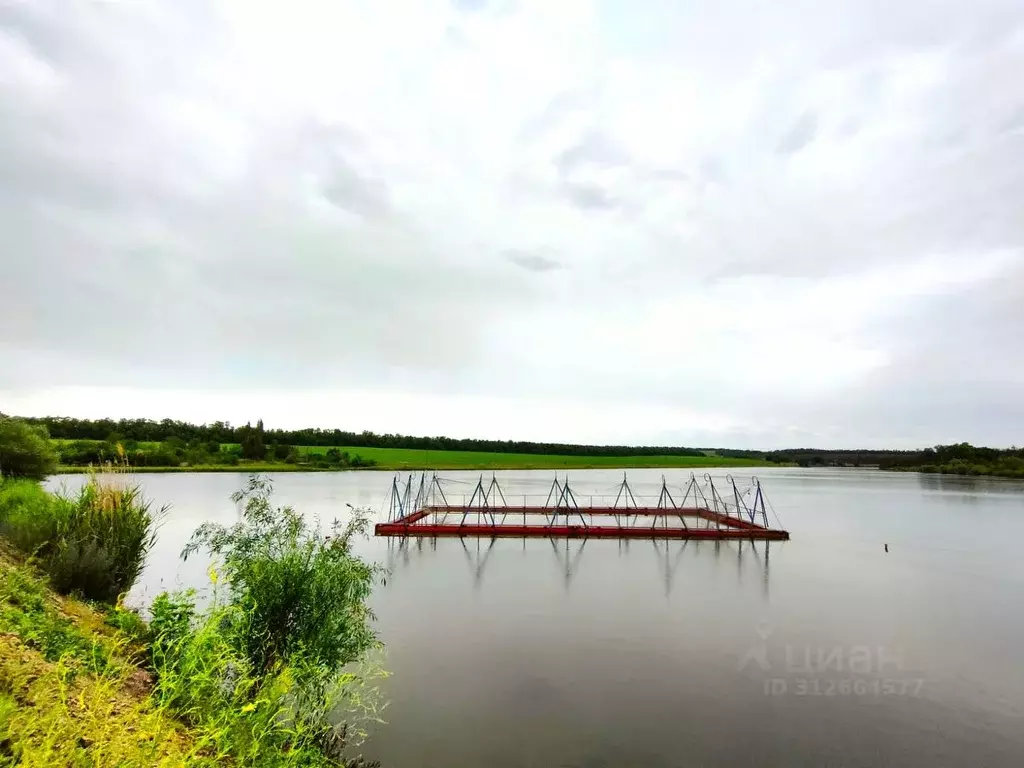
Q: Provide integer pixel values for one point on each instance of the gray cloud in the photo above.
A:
(589, 196)
(596, 152)
(345, 188)
(800, 134)
(1014, 122)
(592, 150)
(532, 261)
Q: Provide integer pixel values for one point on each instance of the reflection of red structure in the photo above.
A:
(703, 514)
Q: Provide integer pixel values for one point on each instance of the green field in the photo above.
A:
(408, 458)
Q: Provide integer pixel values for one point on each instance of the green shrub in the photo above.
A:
(94, 543)
(263, 669)
(84, 452)
(26, 519)
(129, 623)
(25, 450)
(296, 588)
(255, 719)
(102, 541)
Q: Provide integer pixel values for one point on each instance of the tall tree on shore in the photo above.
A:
(252, 442)
(25, 450)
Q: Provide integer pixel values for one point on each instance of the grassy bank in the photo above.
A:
(268, 670)
(71, 690)
(392, 459)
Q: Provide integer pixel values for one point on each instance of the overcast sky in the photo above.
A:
(742, 224)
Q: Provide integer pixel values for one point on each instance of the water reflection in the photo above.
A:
(569, 563)
(975, 484)
(477, 562)
(750, 556)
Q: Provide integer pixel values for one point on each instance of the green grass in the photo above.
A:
(409, 458)
(391, 459)
(70, 693)
(255, 466)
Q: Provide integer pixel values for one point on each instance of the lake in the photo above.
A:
(823, 650)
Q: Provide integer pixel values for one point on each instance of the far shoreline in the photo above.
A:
(489, 466)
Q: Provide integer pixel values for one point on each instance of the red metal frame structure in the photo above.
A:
(702, 513)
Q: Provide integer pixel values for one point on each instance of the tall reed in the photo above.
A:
(93, 542)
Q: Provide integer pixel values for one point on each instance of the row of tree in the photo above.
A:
(220, 443)
(27, 451)
(144, 430)
(888, 459)
(175, 452)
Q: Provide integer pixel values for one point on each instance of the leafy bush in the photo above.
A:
(84, 452)
(256, 719)
(94, 543)
(25, 450)
(297, 590)
(262, 671)
(129, 623)
(27, 516)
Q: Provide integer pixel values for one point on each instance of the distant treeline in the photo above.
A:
(175, 452)
(257, 442)
(955, 459)
(252, 444)
(825, 457)
(145, 430)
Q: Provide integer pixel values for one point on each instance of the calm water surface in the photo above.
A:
(824, 650)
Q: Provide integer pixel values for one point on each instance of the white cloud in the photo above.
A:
(554, 220)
